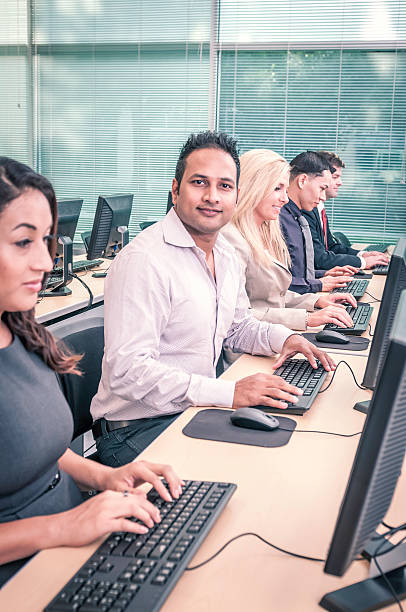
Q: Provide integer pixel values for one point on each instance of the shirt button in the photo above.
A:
(282, 293)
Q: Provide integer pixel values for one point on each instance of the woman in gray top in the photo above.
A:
(40, 502)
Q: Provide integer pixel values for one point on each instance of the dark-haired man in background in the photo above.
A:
(327, 251)
(172, 297)
(310, 177)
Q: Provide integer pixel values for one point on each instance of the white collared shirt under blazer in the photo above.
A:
(268, 286)
(165, 322)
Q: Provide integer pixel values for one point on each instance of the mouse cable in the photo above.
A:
(370, 332)
(90, 303)
(372, 296)
(330, 433)
(353, 375)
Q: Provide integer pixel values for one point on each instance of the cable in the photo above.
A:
(370, 330)
(90, 303)
(251, 533)
(353, 375)
(388, 584)
(379, 554)
(330, 433)
(373, 297)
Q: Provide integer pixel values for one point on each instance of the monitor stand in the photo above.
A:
(373, 593)
(67, 254)
(362, 406)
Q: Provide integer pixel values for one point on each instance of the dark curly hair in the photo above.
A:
(15, 178)
(207, 140)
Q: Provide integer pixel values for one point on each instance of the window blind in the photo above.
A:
(299, 75)
(121, 85)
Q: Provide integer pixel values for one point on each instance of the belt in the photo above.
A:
(110, 426)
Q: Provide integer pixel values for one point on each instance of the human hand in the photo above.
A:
(265, 389)
(380, 259)
(297, 344)
(129, 476)
(329, 283)
(341, 270)
(109, 511)
(330, 314)
(336, 298)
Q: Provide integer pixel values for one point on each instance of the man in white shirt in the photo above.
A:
(172, 297)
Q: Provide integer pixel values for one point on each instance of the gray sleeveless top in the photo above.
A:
(36, 428)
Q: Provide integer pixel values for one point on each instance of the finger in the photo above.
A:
(279, 384)
(274, 403)
(123, 524)
(325, 360)
(139, 508)
(348, 297)
(174, 482)
(149, 473)
(278, 394)
(344, 317)
(282, 358)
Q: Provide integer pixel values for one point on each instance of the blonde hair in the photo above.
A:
(261, 171)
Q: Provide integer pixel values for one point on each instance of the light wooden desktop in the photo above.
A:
(289, 495)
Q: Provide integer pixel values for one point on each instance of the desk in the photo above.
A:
(51, 308)
(289, 495)
(375, 288)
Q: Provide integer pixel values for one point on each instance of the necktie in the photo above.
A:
(324, 219)
(308, 247)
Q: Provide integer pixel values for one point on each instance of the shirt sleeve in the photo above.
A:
(137, 310)
(248, 334)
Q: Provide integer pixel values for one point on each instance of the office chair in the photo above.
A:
(84, 336)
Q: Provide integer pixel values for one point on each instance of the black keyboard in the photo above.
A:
(80, 265)
(360, 316)
(381, 270)
(381, 248)
(299, 372)
(357, 288)
(136, 573)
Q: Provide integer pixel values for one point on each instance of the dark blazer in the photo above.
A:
(337, 254)
(292, 232)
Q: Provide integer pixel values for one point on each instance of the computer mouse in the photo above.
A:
(253, 418)
(329, 335)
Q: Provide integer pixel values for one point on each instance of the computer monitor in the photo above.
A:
(110, 227)
(68, 216)
(395, 283)
(371, 485)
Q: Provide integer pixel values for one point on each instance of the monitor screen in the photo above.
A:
(112, 215)
(378, 461)
(68, 216)
(395, 283)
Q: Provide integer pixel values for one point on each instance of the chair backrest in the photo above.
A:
(86, 338)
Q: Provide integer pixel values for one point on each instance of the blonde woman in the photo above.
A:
(256, 235)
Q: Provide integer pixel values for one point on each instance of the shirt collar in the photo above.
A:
(175, 233)
(294, 208)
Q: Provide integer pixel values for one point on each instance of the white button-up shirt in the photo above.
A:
(166, 319)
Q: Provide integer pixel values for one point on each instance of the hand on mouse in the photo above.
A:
(265, 389)
(330, 314)
(297, 344)
(336, 298)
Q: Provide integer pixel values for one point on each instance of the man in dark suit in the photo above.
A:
(309, 178)
(328, 252)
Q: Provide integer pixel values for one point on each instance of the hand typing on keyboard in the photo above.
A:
(332, 310)
(341, 271)
(264, 389)
(297, 344)
(374, 258)
(329, 283)
(112, 509)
